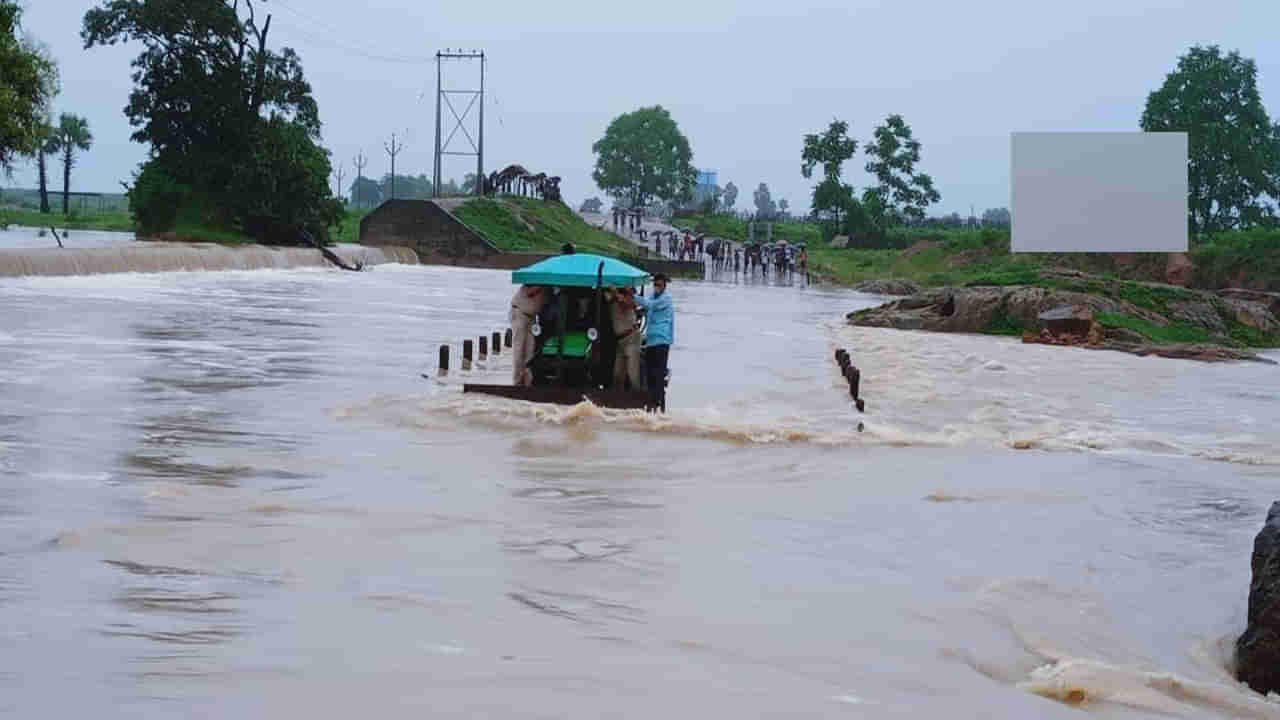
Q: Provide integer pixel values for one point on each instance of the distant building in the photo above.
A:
(705, 189)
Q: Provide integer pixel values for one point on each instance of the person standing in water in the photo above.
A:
(658, 339)
(626, 364)
(525, 305)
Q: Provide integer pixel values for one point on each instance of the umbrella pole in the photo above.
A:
(599, 282)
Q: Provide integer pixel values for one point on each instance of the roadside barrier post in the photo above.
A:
(497, 343)
(484, 347)
(466, 354)
(444, 359)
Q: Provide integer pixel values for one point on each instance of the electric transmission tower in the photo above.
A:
(444, 99)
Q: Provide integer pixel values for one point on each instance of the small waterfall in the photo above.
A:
(173, 257)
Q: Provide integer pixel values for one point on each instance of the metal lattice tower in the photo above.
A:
(444, 99)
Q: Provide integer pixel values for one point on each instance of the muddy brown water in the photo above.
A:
(233, 493)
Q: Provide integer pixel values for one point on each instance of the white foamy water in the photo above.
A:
(234, 493)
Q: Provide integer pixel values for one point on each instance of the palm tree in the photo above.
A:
(72, 134)
(48, 146)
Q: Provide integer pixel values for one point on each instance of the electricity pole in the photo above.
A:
(359, 162)
(340, 172)
(443, 101)
(393, 150)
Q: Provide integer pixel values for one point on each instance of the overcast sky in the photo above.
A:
(745, 80)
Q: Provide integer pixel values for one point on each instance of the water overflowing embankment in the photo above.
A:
(172, 257)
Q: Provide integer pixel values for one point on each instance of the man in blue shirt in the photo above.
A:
(659, 336)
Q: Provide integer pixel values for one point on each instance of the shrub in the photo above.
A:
(155, 199)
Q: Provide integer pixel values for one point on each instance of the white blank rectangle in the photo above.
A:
(1099, 192)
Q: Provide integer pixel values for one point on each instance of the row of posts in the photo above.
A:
(497, 340)
(853, 375)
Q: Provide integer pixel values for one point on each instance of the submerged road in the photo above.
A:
(233, 494)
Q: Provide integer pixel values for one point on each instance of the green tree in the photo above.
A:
(208, 94)
(900, 189)
(28, 83)
(730, 196)
(766, 208)
(829, 149)
(643, 155)
(867, 221)
(72, 134)
(996, 217)
(832, 197)
(1233, 153)
(286, 171)
(366, 192)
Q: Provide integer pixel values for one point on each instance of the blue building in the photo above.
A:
(705, 189)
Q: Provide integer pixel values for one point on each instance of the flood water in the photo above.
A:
(234, 494)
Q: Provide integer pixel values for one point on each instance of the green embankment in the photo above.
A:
(973, 258)
(532, 225)
(936, 258)
(114, 221)
(187, 228)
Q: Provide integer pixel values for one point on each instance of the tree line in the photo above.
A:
(365, 192)
(29, 85)
(643, 161)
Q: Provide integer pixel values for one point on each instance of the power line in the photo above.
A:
(347, 47)
(352, 49)
(340, 31)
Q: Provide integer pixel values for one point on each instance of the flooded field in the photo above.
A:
(233, 493)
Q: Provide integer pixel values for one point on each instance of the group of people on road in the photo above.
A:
(624, 308)
(783, 257)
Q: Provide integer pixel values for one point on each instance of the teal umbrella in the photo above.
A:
(580, 270)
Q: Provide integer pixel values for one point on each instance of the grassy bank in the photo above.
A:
(532, 225)
(186, 229)
(935, 258)
(111, 221)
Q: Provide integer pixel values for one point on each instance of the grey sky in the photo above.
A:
(745, 80)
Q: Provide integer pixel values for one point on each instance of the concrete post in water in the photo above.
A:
(497, 343)
(466, 354)
(444, 359)
(508, 338)
(484, 347)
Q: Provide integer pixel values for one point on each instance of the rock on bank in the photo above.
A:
(1258, 649)
(1133, 317)
(172, 257)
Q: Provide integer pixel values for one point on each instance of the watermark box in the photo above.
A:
(1099, 191)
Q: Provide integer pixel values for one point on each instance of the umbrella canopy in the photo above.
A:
(580, 270)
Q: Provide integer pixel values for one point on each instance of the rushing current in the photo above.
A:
(235, 494)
